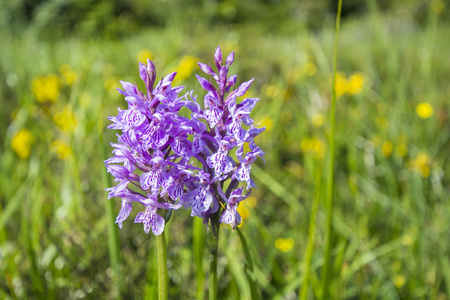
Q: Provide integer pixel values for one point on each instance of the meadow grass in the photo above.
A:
(390, 212)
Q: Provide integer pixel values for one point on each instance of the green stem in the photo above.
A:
(213, 241)
(113, 239)
(198, 240)
(162, 266)
(330, 175)
(311, 233)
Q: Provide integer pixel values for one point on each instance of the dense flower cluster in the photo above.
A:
(164, 160)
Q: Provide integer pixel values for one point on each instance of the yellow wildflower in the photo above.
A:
(110, 84)
(310, 69)
(424, 110)
(266, 121)
(355, 83)
(284, 245)
(381, 122)
(376, 139)
(186, 66)
(243, 212)
(292, 75)
(68, 75)
(21, 143)
(61, 148)
(399, 281)
(46, 89)
(317, 120)
(402, 150)
(408, 240)
(340, 84)
(353, 86)
(271, 90)
(313, 145)
(286, 116)
(250, 202)
(65, 119)
(305, 144)
(437, 6)
(85, 100)
(421, 164)
(386, 148)
(144, 54)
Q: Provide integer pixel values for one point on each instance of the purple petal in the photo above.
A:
(243, 88)
(124, 212)
(145, 181)
(218, 58)
(202, 202)
(230, 59)
(206, 85)
(140, 217)
(230, 82)
(157, 223)
(207, 69)
(223, 79)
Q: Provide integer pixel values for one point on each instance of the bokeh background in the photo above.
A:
(60, 65)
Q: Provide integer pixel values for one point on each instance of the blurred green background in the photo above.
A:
(60, 64)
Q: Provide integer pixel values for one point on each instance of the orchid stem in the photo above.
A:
(162, 266)
(213, 241)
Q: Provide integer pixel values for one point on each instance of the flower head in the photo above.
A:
(157, 147)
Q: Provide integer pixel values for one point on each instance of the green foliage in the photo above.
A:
(391, 211)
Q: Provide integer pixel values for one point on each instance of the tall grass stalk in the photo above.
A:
(311, 233)
(162, 266)
(113, 240)
(331, 158)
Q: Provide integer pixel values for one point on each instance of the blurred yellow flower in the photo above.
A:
(68, 75)
(381, 122)
(292, 75)
(313, 145)
(250, 202)
(61, 148)
(21, 143)
(421, 164)
(46, 89)
(227, 46)
(355, 83)
(286, 116)
(65, 119)
(284, 245)
(424, 110)
(266, 121)
(437, 6)
(110, 84)
(376, 139)
(271, 90)
(310, 69)
(317, 120)
(408, 240)
(396, 266)
(399, 281)
(386, 148)
(340, 84)
(85, 100)
(144, 54)
(243, 212)
(185, 67)
(402, 150)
